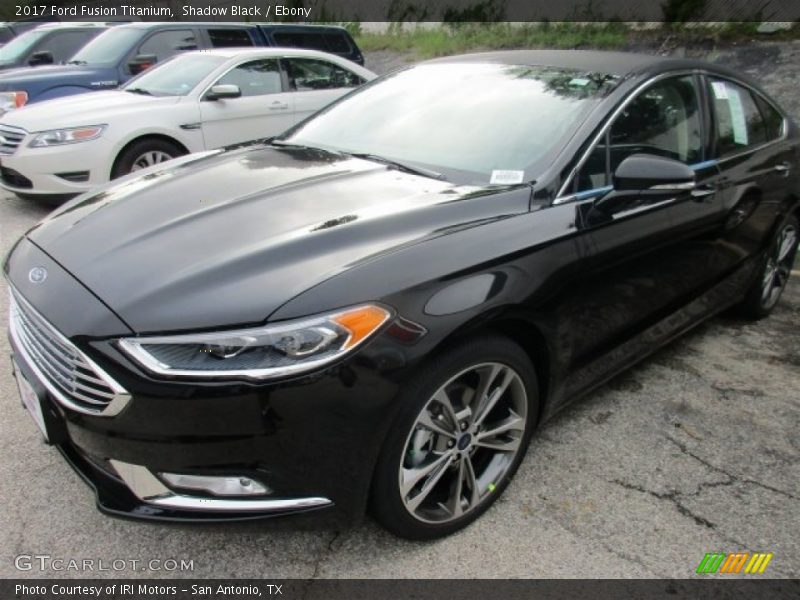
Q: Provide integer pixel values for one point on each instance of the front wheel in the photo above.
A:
(143, 154)
(774, 275)
(463, 429)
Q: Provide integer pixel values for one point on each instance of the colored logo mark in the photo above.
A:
(737, 562)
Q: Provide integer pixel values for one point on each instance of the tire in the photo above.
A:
(766, 290)
(147, 150)
(464, 477)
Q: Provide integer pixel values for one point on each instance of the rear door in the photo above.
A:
(264, 109)
(317, 83)
(755, 158)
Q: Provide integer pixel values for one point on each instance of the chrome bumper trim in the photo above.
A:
(148, 488)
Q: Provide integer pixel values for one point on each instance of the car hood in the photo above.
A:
(84, 109)
(225, 238)
(63, 74)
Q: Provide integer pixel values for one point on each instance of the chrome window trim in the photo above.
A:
(563, 198)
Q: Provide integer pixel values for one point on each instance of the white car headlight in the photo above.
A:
(11, 100)
(72, 135)
(261, 353)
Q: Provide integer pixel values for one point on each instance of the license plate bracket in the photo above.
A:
(32, 397)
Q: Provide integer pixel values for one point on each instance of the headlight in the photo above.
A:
(73, 135)
(262, 353)
(12, 100)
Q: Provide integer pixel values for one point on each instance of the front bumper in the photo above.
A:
(312, 441)
(65, 170)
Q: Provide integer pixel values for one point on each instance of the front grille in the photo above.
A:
(71, 376)
(15, 178)
(10, 139)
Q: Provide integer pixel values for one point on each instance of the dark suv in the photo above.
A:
(336, 40)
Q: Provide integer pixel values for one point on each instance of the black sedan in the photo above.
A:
(379, 307)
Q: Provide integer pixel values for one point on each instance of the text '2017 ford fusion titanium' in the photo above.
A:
(378, 308)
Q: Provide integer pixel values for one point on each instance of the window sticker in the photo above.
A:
(737, 118)
(501, 177)
(719, 89)
(579, 81)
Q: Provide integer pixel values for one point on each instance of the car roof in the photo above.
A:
(184, 24)
(266, 51)
(72, 25)
(613, 63)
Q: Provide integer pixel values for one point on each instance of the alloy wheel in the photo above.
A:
(779, 266)
(463, 443)
(150, 158)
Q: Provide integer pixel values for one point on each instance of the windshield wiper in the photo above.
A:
(137, 90)
(280, 143)
(397, 164)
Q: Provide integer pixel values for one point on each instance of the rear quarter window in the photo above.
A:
(738, 121)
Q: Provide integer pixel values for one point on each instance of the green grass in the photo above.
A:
(466, 37)
(470, 37)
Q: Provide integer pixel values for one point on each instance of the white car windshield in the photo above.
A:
(467, 121)
(177, 77)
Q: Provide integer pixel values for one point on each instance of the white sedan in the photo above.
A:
(196, 101)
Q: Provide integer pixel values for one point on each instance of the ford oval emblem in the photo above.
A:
(37, 275)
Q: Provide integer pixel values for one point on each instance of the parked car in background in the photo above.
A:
(11, 29)
(122, 52)
(327, 38)
(48, 44)
(379, 307)
(195, 101)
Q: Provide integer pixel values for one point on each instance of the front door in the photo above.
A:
(264, 109)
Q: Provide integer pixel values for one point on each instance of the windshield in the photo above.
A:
(20, 46)
(177, 77)
(468, 121)
(108, 48)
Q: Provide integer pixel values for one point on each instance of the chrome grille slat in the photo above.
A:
(51, 350)
(12, 137)
(68, 374)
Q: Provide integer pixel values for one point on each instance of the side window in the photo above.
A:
(64, 44)
(663, 120)
(338, 43)
(773, 120)
(738, 122)
(167, 43)
(311, 41)
(255, 78)
(307, 74)
(229, 38)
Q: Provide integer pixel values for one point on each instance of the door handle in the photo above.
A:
(701, 193)
(782, 168)
(278, 106)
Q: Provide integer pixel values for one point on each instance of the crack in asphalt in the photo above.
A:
(671, 496)
(732, 478)
(331, 546)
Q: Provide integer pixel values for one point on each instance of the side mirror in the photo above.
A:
(647, 172)
(642, 180)
(42, 57)
(142, 62)
(223, 91)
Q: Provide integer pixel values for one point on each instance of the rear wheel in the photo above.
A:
(143, 154)
(768, 287)
(463, 430)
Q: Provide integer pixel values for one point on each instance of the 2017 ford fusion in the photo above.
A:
(378, 308)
